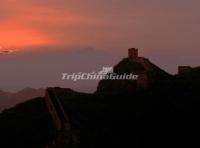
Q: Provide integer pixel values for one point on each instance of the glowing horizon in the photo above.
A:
(156, 27)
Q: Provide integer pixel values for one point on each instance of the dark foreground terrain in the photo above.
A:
(163, 115)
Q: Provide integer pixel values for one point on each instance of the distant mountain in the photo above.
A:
(8, 99)
(50, 67)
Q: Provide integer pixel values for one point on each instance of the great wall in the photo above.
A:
(65, 134)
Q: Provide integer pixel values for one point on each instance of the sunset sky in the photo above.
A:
(167, 31)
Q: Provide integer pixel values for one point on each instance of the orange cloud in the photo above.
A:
(18, 35)
(25, 25)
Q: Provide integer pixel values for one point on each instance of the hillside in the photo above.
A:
(26, 125)
(165, 114)
(156, 76)
(8, 99)
(109, 120)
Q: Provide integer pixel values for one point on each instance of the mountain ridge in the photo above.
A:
(10, 99)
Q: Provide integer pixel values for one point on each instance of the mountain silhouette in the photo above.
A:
(164, 113)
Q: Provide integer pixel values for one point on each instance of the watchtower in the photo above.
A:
(132, 53)
(184, 69)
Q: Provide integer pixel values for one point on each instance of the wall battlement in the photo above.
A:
(184, 69)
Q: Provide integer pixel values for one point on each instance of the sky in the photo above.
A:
(167, 32)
